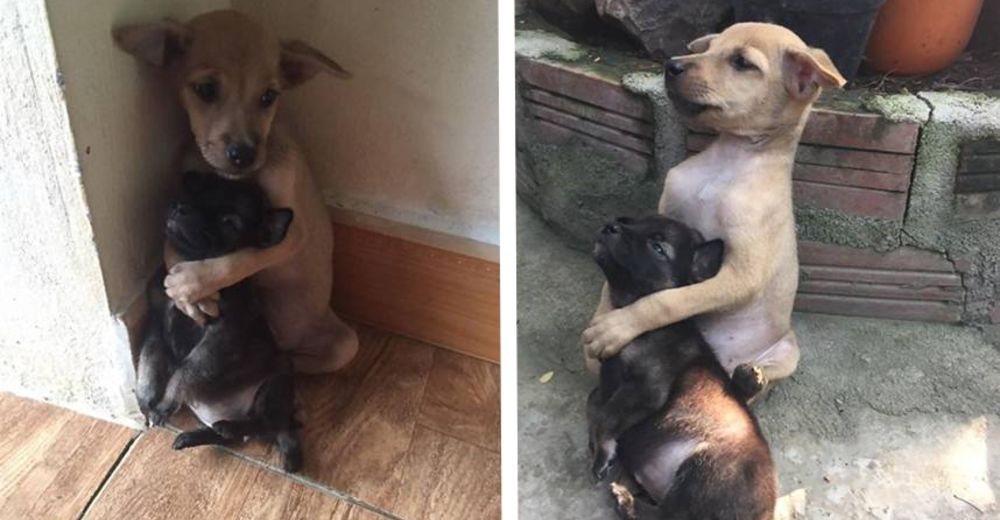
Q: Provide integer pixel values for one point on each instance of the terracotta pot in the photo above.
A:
(921, 36)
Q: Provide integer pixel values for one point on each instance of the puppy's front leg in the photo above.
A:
(603, 306)
(153, 373)
(745, 269)
(194, 281)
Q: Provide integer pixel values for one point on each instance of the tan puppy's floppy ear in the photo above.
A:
(701, 44)
(300, 62)
(156, 43)
(808, 70)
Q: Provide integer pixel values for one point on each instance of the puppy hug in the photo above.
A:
(246, 293)
(229, 72)
(671, 407)
(753, 84)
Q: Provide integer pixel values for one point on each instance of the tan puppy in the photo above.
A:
(228, 72)
(753, 84)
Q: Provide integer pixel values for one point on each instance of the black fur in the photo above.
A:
(666, 388)
(182, 362)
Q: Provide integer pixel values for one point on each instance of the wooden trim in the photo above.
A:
(423, 291)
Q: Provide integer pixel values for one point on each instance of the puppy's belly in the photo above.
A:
(234, 407)
(741, 336)
(658, 468)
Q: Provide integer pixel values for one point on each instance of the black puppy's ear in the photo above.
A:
(274, 227)
(707, 260)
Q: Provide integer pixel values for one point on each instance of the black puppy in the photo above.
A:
(229, 372)
(685, 441)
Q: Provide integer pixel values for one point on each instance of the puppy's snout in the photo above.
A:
(179, 210)
(674, 68)
(241, 155)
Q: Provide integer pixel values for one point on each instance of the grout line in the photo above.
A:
(423, 425)
(340, 495)
(109, 475)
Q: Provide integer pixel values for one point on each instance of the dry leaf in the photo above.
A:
(546, 377)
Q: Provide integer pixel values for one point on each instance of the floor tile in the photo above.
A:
(463, 399)
(356, 447)
(444, 478)
(52, 460)
(156, 482)
(401, 411)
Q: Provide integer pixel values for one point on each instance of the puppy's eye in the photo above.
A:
(207, 91)
(268, 97)
(740, 63)
(658, 249)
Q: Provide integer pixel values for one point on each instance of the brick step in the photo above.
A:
(879, 308)
(906, 284)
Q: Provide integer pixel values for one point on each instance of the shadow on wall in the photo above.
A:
(412, 136)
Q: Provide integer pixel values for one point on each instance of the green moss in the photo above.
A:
(826, 225)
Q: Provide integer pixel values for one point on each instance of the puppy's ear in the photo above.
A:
(158, 44)
(274, 227)
(707, 260)
(806, 71)
(300, 62)
(700, 45)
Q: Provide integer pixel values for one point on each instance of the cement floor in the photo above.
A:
(883, 420)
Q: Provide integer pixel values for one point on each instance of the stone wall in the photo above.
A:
(891, 223)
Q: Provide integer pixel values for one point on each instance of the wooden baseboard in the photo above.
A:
(439, 296)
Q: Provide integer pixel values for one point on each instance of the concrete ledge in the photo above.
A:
(891, 176)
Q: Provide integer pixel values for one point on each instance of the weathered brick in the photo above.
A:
(850, 200)
(879, 308)
(588, 88)
(621, 122)
(597, 131)
(862, 131)
(904, 258)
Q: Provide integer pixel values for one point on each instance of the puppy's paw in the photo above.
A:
(156, 418)
(226, 429)
(184, 440)
(604, 460)
(292, 461)
(625, 500)
(749, 381)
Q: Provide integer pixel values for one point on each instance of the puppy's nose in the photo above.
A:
(178, 210)
(611, 229)
(241, 155)
(674, 68)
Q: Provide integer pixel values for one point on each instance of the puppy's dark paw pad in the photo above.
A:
(292, 462)
(749, 380)
(603, 462)
(183, 440)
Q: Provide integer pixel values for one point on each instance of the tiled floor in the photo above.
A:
(407, 431)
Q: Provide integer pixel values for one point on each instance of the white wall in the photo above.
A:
(57, 338)
(413, 136)
(128, 128)
(80, 219)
